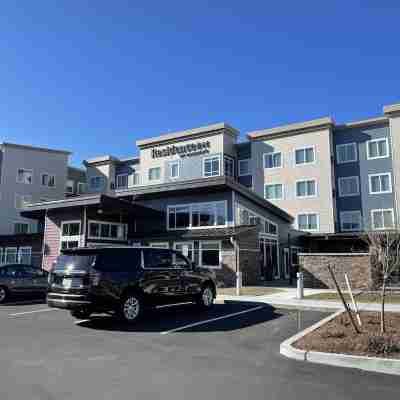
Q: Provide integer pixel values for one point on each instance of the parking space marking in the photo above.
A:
(81, 321)
(32, 312)
(207, 321)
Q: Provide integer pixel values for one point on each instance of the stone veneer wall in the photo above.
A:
(357, 265)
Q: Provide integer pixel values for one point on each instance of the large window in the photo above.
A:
(377, 148)
(155, 174)
(211, 166)
(197, 215)
(247, 217)
(107, 230)
(70, 234)
(244, 167)
(96, 182)
(210, 254)
(305, 155)
(306, 188)
(21, 228)
(48, 180)
(346, 153)
(380, 183)
(122, 181)
(229, 166)
(349, 186)
(174, 170)
(11, 255)
(25, 176)
(273, 160)
(350, 220)
(274, 191)
(382, 219)
(25, 255)
(308, 222)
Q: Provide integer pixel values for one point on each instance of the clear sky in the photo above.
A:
(94, 76)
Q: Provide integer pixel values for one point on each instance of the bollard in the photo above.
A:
(300, 285)
(238, 283)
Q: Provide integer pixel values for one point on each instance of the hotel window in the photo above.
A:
(107, 230)
(304, 156)
(154, 174)
(274, 191)
(174, 169)
(96, 182)
(349, 186)
(211, 166)
(229, 166)
(346, 153)
(350, 220)
(25, 255)
(22, 201)
(21, 228)
(11, 255)
(210, 254)
(308, 222)
(70, 234)
(273, 160)
(48, 180)
(377, 148)
(122, 181)
(380, 183)
(69, 188)
(25, 176)
(306, 188)
(382, 219)
(270, 228)
(244, 167)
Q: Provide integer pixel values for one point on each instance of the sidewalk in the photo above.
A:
(287, 299)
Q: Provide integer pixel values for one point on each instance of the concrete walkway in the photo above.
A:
(287, 299)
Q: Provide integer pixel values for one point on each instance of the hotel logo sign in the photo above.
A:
(185, 150)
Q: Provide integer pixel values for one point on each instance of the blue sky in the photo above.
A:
(94, 76)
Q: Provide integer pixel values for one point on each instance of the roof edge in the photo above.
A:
(35, 148)
(363, 122)
(391, 108)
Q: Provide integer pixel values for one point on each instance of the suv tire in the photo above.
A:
(205, 299)
(3, 294)
(131, 307)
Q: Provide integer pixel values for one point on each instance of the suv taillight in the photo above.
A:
(95, 277)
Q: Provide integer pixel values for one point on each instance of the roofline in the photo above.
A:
(299, 127)
(28, 147)
(363, 123)
(76, 168)
(187, 134)
(69, 201)
(100, 160)
(392, 108)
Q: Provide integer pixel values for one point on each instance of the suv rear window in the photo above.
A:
(74, 262)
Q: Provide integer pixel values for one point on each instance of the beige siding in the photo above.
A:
(395, 137)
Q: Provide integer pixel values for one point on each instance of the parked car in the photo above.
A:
(126, 281)
(21, 279)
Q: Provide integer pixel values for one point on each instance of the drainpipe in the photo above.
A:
(238, 272)
(44, 237)
(84, 226)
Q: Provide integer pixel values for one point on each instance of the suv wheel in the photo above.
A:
(131, 307)
(80, 313)
(206, 297)
(3, 294)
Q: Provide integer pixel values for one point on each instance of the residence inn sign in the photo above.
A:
(183, 150)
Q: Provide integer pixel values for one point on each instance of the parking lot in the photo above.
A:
(231, 352)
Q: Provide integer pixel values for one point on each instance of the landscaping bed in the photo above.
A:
(249, 291)
(338, 336)
(361, 298)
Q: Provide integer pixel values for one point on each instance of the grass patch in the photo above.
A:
(250, 291)
(361, 298)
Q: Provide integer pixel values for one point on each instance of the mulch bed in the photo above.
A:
(338, 336)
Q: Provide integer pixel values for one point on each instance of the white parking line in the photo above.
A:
(81, 321)
(211, 320)
(32, 312)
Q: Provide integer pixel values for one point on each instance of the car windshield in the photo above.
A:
(74, 262)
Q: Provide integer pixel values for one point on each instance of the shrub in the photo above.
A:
(382, 345)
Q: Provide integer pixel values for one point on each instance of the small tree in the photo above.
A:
(385, 251)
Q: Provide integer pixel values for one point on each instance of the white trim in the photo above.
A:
(381, 210)
(175, 162)
(308, 213)
(185, 243)
(369, 157)
(159, 245)
(6, 254)
(20, 251)
(248, 163)
(304, 148)
(201, 242)
(25, 170)
(48, 177)
(272, 153)
(380, 174)
(306, 180)
(341, 179)
(274, 184)
(350, 212)
(67, 238)
(118, 224)
(116, 180)
(232, 159)
(219, 165)
(338, 146)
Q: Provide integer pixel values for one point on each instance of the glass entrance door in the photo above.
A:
(269, 258)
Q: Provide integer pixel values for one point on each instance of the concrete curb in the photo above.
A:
(372, 364)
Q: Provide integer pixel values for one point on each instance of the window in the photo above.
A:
(211, 166)
(349, 186)
(107, 230)
(135, 178)
(306, 188)
(81, 187)
(21, 228)
(270, 228)
(350, 220)
(197, 215)
(70, 234)
(210, 254)
(154, 174)
(244, 167)
(25, 176)
(122, 181)
(69, 188)
(22, 201)
(229, 166)
(10, 256)
(186, 248)
(308, 222)
(25, 255)
(274, 191)
(346, 153)
(382, 219)
(174, 170)
(380, 183)
(157, 258)
(48, 180)
(273, 160)
(305, 156)
(96, 182)
(377, 148)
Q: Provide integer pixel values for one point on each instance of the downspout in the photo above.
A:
(238, 272)
(84, 226)
(44, 236)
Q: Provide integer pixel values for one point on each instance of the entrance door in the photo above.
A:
(269, 259)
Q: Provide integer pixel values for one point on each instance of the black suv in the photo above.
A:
(126, 281)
